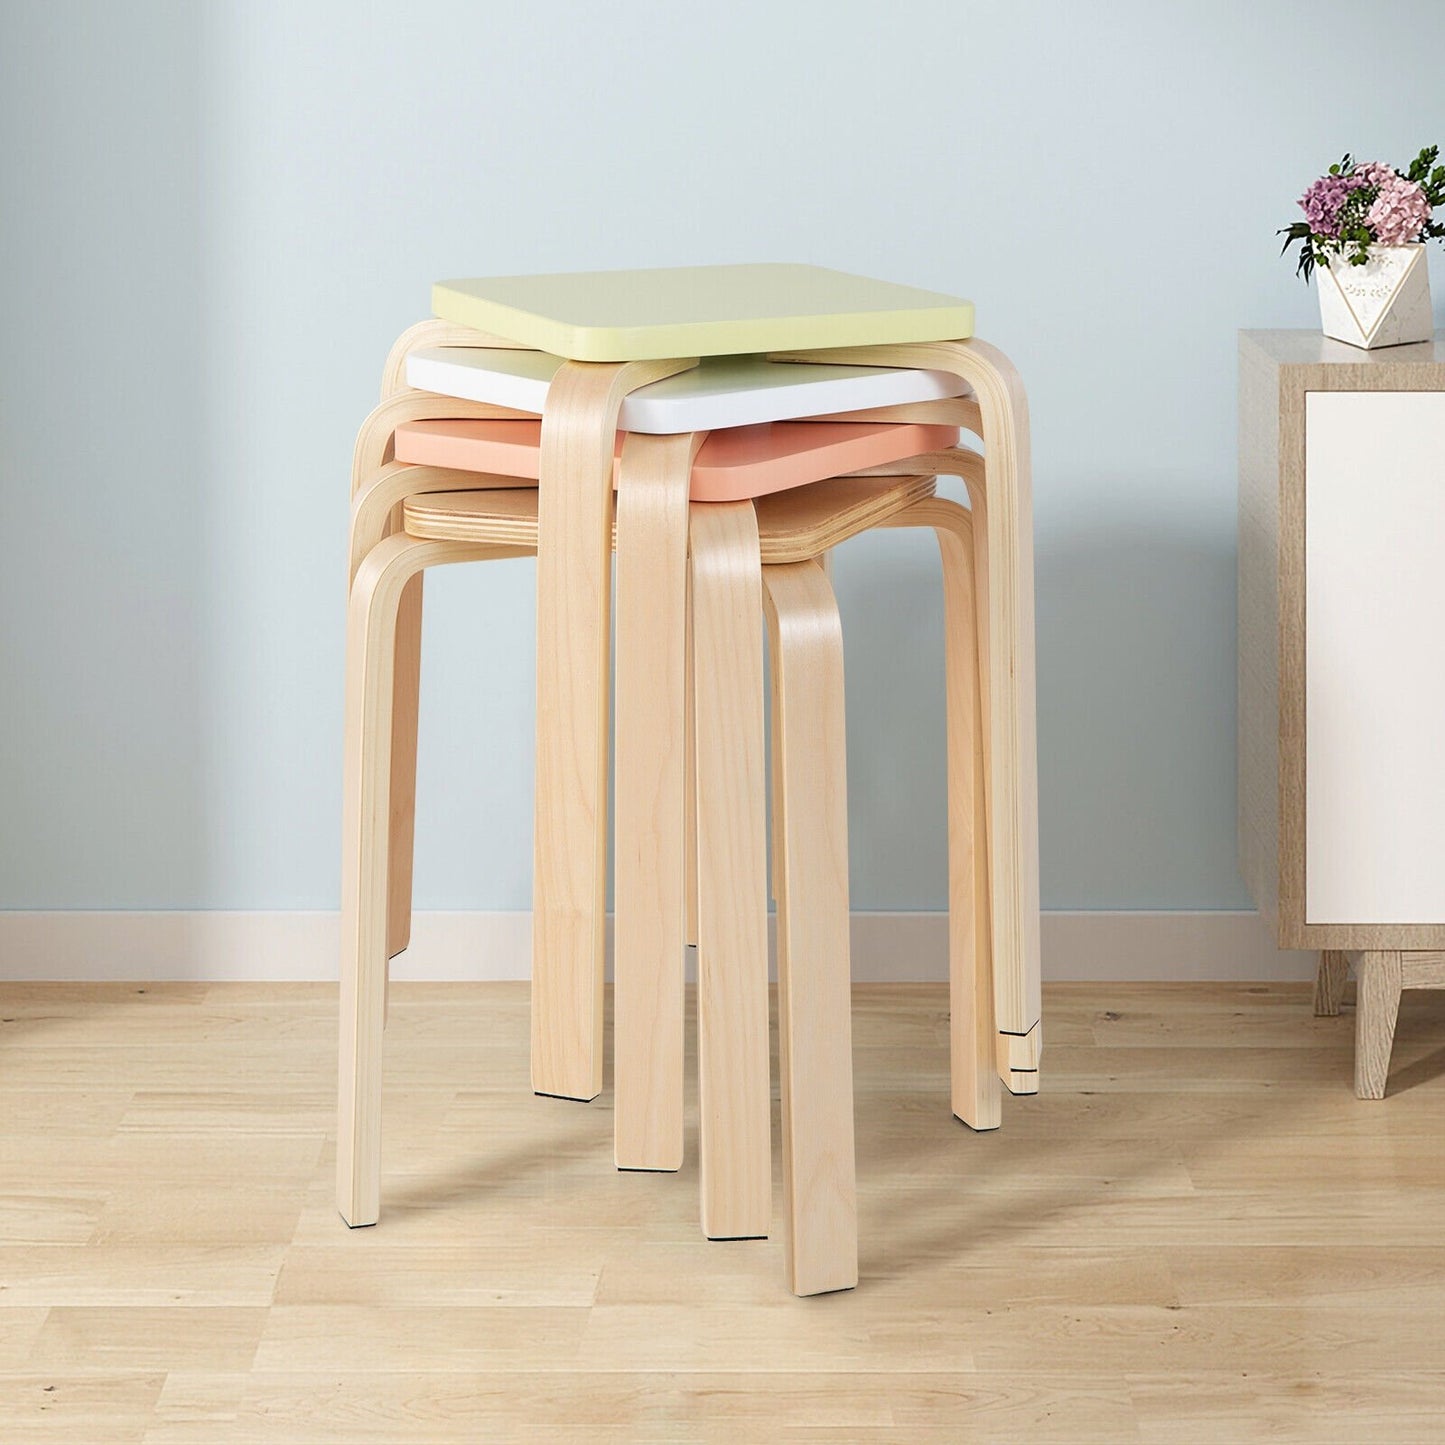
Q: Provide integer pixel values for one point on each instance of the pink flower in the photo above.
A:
(1399, 212)
(1372, 173)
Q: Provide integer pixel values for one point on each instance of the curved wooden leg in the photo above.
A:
(689, 796)
(373, 448)
(980, 1054)
(376, 596)
(775, 797)
(574, 605)
(651, 765)
(814, 983)
(1013, 762)
(405, 709)
(433, 332)
(732, 1011)
(1377, 1008)
(689, 801)
(1330, 983)
(398, 403)
(373, 517)
(976, 1094)
(1017, 1055)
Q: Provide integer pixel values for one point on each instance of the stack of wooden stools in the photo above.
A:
(534, 414)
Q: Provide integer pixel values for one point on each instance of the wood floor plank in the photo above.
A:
(369, 1409)
(388, 1277)
(439, 1338)
(692, 1334)
(100, 1409)
(198, 1407)
(86, 1162)
(30, 1112)
(19, 1329)
(199, 1213)
(90, 1340)
(1410, 1278)
(1340, 1406)
(50, 1216)
(646, 1274)
(1122, 1339)
(259, 1109)
(139, 1274)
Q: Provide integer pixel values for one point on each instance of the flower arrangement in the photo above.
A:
(1359, 204)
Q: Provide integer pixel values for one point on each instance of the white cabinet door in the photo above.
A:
(1375, 657)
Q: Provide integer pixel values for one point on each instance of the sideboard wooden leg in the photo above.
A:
(1330, 983)
(1380, 981)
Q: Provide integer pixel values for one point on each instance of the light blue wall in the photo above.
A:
(214, 218)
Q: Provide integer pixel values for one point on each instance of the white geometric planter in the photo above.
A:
(1385, 302)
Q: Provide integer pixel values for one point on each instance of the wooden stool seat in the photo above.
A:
(699, 311)
(721, 391)
(793, 526)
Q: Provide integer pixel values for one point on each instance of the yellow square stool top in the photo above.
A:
(699, 311)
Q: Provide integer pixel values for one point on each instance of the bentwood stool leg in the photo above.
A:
(651, 771)
(1013, 764)
(974, 1037)
(370, 659)
(814, 999)
(374, 506)
(978, 1061)
(406, 697)
(1016, 1062)
(972, 468)
(574, 591)
(376, 596)
(733, 1064)
(976, 1097)
(407, 676)
(689, 795)
(372, 458)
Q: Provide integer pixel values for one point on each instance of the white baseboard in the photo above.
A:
(887, 947)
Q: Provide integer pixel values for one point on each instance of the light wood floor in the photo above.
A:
(1195, 1233)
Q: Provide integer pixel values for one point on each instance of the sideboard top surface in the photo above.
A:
(1311, 348)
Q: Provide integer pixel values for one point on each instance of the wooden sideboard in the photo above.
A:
(1342, 663)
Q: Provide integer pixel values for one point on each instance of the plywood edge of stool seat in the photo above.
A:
(793, 526)
(804, 523)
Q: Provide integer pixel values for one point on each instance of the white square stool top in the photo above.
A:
(723, 391)
(700, 311)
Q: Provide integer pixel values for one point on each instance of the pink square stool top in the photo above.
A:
(731, 466)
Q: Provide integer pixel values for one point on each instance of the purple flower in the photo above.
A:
(1324, 201)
